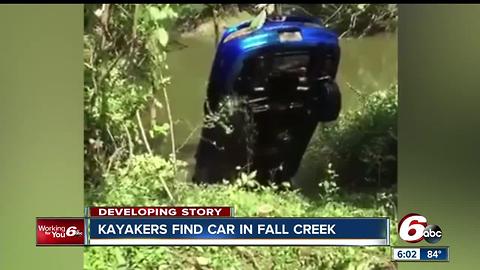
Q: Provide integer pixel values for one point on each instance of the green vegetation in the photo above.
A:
(126, 47)
(140, 182)
(348, 20)
(361, 146)
(125, 72)
(356, 20)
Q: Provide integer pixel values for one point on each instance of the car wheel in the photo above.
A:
(330, 102)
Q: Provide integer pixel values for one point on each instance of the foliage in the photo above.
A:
(356, 20)
(348, 20)
(328, 188)
(138, 183)
(124, 57)
(145, 180)
(362, 145)
(191, 16)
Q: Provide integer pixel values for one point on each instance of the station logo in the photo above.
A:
(414, 228)
(60, 231)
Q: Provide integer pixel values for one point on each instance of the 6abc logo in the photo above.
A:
(413, 228)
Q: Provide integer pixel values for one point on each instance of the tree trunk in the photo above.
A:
(215, 24)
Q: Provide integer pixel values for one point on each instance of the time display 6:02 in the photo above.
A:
(406, 254)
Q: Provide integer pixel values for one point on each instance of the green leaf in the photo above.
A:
(161, 35)
(168, 12)
(158, 14)
(258, 22)
(158, 104)
(202, 261)
(244, 177)
(155, 13)
(160, 130)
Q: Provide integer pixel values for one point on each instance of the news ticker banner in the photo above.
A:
(215, 226)
(159, 212)
(421, 254)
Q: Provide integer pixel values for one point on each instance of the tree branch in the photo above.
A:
(142, 131)
(172, 134)
(130, 142)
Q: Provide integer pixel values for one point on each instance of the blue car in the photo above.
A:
(268, 90)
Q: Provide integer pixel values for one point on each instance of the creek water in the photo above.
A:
(367, 64)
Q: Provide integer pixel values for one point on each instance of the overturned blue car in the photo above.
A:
(268, 90)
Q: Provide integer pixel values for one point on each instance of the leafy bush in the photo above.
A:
(140, 180)
(361, 146)
(125, 72)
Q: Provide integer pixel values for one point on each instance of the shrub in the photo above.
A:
(361, 146)
(125, 73)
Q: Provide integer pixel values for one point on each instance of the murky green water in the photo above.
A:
(367, 64)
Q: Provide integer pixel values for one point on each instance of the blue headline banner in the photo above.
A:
(239, 231)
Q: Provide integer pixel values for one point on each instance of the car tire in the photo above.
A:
(330, 102)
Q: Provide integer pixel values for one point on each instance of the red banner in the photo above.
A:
(60, 231)
(161, 211)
